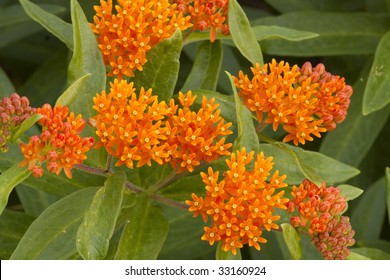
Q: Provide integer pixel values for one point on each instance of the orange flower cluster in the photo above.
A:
(126, 36)
(241, 205)
(137, 127)
(207, 14)
(318, 211)
(304, 101)
(59, 145)
(13, 111)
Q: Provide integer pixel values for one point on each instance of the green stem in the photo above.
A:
(165, 181)
(108, 163)
(133, 187)
(91, 170)
(168, 201)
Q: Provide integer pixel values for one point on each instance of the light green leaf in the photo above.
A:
(13, 225)
(8, 180)
(26, 124)
(242, 34)
(263, 32)
(293, 241)
(377, 92)
(6, 86)
(52, 236)
(343, 34)
(288, 6)
(101, 218)
(55, 25)
(162, 68)
(356, 256)
(144, 233)
(205, 70)
(369, 211)
(352, 139)
(220, 254)
(388, 191)
(297, 164)
(371, 253)
(71, 93)
(349, 192)
(247, 137)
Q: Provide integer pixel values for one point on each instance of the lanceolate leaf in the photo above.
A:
(95, 232)
(26, 124)
(293, 241)
(55, 25)
(162, 68)
(205, 70)
(73, 90)
(388, 191)
(52, 236)
(144, 233)
(6, 86)
(220, 254)
(377, 93)
(8, 180)
(263, 32)
(371, 253)
(350, 192)
(242, 33)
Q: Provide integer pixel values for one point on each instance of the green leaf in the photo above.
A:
(144, 233)
(263, 32)
(162, 68)
(388, 191)
(288, 6)
(349, 192)
(226, 103)
(55, 25)
(356, 256)
(352, 139)
(13, 225)
(6, 86)
(101, 218)
(369, 211)
(293, 241)
(52, 236)
(71, 93)
(8, 180)
(371, 253)
(339, 33)
(26, 124)
(377, 92)
(242, 34)
(205, 70)
(297, 164)
(220, 254)
(247, 136)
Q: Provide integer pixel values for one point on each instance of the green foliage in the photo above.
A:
(293, 241)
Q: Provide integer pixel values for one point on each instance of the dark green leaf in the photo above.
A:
(388, 191)
(242, 34)
(205, 70)
(52, 236)
(59, 28)
(377, 92)
(293, 241)
(288, 6)
(247, 137)
(367, 217)
(352, 139)
(263, 32)
(371, 253)
(101, 218)
(73, 90)
(144, 233)
(6, 86)
(13, 225)
(162, 68)
(26, 124)
(349, 192)
(293, 161)
(8, 180)
(221, 255)
(339, 33)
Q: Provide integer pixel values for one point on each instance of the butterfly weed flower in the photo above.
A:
(127, 31)
(304, 101)
(135, 127)
(13, 111)
(207, 15)
(241, 205)
(318, 210)
(59, 145)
